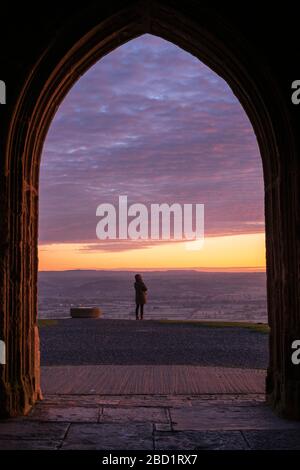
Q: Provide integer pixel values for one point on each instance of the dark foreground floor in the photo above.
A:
(150, 423)
(125, 342)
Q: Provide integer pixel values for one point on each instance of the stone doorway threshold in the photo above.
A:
(150, 422)
(150, 408)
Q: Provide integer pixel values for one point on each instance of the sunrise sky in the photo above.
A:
(151, 122)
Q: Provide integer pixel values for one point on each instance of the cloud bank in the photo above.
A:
(152, 122)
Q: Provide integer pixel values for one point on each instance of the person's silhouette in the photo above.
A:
(140, 296)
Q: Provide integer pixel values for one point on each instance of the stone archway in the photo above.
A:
(79, 43)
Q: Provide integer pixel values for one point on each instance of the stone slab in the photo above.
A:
(191, 440)
(104, 436)
(134, 414)
(23, 444)
(65, 413)
(27, 429)
(273, 439)
(221, 415)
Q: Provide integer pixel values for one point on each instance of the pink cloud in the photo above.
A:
(152, 122)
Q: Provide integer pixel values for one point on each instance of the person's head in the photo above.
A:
(138, 277)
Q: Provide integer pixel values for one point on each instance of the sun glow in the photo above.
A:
(237, 252)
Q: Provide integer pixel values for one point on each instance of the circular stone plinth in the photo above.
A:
(85, 312)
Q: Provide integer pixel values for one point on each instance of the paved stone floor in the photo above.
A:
(150, 422)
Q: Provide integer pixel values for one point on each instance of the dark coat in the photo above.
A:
(140, 293)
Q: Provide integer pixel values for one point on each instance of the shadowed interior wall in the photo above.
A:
(46, 52)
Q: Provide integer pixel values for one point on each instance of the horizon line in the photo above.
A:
(132, 269)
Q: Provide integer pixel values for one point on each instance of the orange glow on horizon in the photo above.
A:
(233, 252)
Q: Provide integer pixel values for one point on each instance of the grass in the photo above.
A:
(257, 327)
(43, 322)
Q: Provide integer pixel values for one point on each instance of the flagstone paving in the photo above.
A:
(157, 422)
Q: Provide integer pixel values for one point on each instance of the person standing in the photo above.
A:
(140, 296)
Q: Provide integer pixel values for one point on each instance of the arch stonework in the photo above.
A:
(67, 48)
